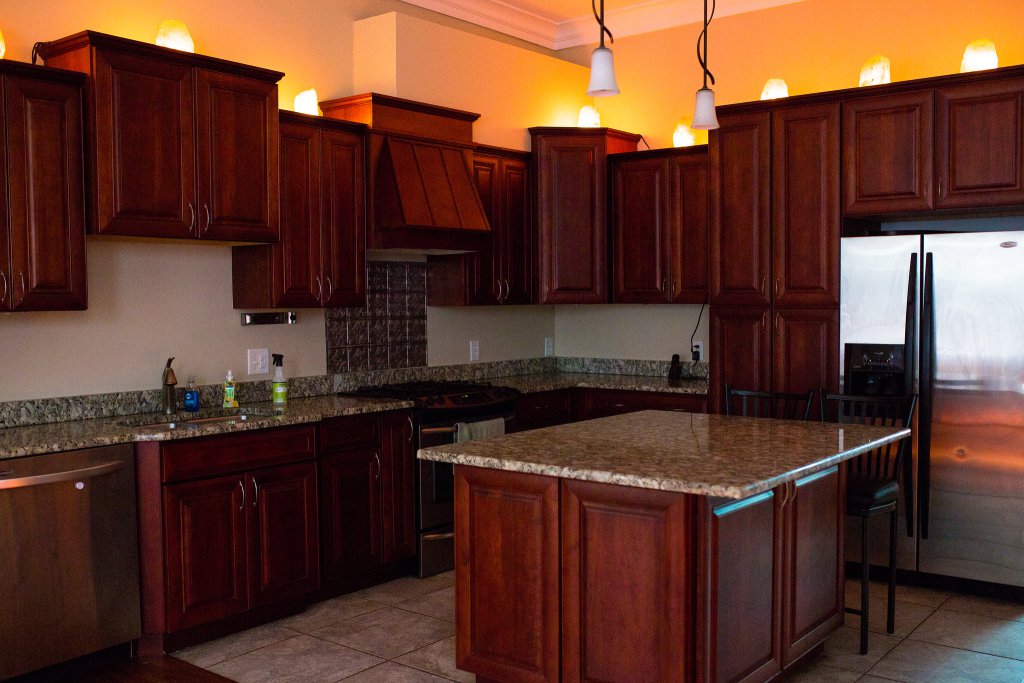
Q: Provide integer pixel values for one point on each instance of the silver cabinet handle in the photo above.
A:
(3, 277)
(57, 477)
(499, 290)
(330, 287)
(206, 208)
(411, 429)
(508, 290)
(764, 285)
(242, 486)
(376, 456)
(24, 291)
(256, 491)
(319, 288)
(192, 217)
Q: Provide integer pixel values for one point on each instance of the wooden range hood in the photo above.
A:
(422, 194)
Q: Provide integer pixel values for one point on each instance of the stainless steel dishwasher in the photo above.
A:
(69, 567)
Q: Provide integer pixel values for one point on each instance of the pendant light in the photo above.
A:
(704, 117)
(602, 71)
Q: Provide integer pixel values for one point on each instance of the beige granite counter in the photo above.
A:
(578, 380)
(714, 455)
(52, 437)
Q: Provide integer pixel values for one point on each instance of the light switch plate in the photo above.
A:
(474, 350)
(549, 346)
(259, 361)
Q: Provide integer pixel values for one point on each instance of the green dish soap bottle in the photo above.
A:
(279, 385)
(229, 391)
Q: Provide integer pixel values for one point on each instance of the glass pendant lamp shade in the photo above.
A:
(602, 74)
(704, 117)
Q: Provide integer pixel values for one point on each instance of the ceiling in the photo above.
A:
(558, 24)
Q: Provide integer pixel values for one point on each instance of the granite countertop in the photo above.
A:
(579, 380)
(16, 442)
(713, 455)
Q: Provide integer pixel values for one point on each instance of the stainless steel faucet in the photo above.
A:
(169, 401)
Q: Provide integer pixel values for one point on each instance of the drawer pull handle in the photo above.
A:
(241, 506)
(256, 490)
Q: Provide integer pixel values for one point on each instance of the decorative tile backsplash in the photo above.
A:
(390, 331)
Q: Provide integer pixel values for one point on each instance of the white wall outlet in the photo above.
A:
(697, 350)
(549, 346)
(474, 350)
(259, 361)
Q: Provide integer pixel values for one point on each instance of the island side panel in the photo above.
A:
(739, 589)
(627, 583)
(506, 575)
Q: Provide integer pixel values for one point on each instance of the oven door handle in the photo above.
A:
(438, 537)
(438, 430)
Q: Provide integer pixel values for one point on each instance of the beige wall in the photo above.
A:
(504, 332)
(628, 331)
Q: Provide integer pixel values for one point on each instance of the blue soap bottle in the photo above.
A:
(192, 397)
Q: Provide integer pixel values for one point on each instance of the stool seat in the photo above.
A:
(868, 495)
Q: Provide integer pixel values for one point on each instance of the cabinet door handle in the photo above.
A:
(330, 287)
(376, 457)
(192, 217)
(776, 323)
(764, 321)
(24, 290)
(3, 277)
(764, 288)
(778, 286)
(940, 187)
(242, 486)
(507, 291)
(256, 492)
(319, 288)
(411, 428)
(206, 207)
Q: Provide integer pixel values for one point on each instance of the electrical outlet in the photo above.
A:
(697, 351)
(259, 361)
(549, 346)
(474, 350)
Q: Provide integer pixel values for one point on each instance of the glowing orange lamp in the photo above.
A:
(174, 34)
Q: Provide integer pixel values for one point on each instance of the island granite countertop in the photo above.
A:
(712, 455)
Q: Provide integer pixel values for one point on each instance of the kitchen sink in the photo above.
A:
(175, 425)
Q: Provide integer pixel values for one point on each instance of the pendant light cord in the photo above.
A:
(600, 22)
(702, 42)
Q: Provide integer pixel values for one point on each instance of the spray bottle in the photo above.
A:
(279, 385)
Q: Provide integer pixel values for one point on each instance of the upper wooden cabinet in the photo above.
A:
(570, 166)
(42, 205)
(659, 226)
(180, 145)
(979, 144)
(887, 154)
(320, 258)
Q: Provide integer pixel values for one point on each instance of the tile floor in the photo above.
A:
(404, 632)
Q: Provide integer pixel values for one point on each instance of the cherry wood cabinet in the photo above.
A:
(979, 144)
(42, 205)
(398, 487)
(570, 167)
(805, 350)
(544, 409)
(741, 351)
(594, 403)
(659, 226)
(320, 260)
(179, 145)
(351, 518)
(887, 153)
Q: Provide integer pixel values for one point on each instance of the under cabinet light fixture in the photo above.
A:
(602, 69)
(307, 102)
(589, 117)
(774, 89)
(979, 56)
(876, 71)
(704, 117)
(174, 34)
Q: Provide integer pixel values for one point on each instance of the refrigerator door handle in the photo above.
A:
(909, 358)
(927, 379)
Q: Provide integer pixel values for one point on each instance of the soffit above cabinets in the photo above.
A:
(558, 24)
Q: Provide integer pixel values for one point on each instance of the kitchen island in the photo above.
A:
(651, 546)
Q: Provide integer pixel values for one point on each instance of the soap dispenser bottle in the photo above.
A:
(279, 386)
(229, 391)
(192, 396)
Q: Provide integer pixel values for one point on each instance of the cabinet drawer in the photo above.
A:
(222, 454)
(350, 432)
(543, 409)
(595, 403)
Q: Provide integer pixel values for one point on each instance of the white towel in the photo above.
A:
(484, 429)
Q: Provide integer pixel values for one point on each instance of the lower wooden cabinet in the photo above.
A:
(594, 403)
(544, 409)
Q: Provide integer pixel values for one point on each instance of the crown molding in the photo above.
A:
(498, 16)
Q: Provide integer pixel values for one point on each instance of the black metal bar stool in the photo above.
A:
(872, 484)
(785, 406)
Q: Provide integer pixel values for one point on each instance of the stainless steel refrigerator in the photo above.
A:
(965, 292)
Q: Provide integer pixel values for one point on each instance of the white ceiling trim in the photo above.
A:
(498, 16)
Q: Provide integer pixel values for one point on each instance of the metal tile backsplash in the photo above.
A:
(390, 331)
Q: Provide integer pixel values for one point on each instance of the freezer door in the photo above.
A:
(976, 511)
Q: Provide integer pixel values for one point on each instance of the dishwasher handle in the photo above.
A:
(57, 477)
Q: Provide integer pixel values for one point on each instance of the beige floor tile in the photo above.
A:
(973, 632)
(388, 632)
(329, 612)
(842, 649)
(302, 659)
(819, 672)
(908, 616)
(390, 672)
(439, 604)
(207, 654)
(989, 607)
(879, 589)
(438, 658)
(406, 588)
(918, 662)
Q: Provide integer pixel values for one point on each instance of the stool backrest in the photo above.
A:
(883, 411)
(785, 406)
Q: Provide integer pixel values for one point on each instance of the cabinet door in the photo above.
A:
(887, 154)
(740, 199)
(688, 195)
(343, 217)
(516, 227)
(741, 352)
(237, 158)
(506, 524)
(571, 228)
(350, 512)
(205, 550)
(398, 488)
(641, 231)
(46, 196)
(979, 144)
(297, 277)
(144, 147)
(805, 350)
(805, 205)
(284, 554)
(813, 573)
(543, 409)
(484, 268)
(741, 577)
(601, 524)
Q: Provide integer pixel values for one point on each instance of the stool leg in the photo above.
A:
(865, 578)
(890, 617)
